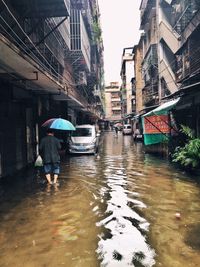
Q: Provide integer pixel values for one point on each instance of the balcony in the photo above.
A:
(168, 76)
(80, 44)
(116, 108)
(64, 29)
(97, 94)
(115, 99)
(42, 8)
(184, 11)
(37, 38)
(150, 64)
(147, 9)
(188, 63)
(171, 38)
(150, 95)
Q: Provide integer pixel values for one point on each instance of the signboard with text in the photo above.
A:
(156, 124)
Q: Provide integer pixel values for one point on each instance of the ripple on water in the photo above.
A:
(123, 241)
(117, 211)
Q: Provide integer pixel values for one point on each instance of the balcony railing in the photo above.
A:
(188, 63)
(116, 108)
(80, 44)
(64, 30)
(116, 99)
(150, 64)
(36, 38)
(184, 11)
(150, 95)
(147, 7)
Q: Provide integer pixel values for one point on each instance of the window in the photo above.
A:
(116, 112)
(82, 132)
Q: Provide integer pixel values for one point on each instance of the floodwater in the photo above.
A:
(116, 209)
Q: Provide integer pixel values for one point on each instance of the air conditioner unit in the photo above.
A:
(82, 78)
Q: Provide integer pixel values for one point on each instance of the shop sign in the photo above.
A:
(156, 124)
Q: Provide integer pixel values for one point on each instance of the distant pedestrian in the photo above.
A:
(49, 150)
(116, 130)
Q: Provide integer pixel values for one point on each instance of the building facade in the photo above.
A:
(168, 57)
(127, 73)
(49, 67)
(150, 91)
(113, 103)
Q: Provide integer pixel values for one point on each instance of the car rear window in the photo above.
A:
(82, 132)
(127, 127)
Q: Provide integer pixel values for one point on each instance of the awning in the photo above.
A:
(164, 108)
(157, 125)
(136, 117)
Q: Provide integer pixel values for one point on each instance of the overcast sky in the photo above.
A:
(120, 25)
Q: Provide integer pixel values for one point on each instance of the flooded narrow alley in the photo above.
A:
(115, 209)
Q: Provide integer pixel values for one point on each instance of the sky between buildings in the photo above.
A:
(120, 21)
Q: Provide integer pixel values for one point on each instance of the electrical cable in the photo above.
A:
(62, 77)
(16, 21)
(22, 48)
(34, 56)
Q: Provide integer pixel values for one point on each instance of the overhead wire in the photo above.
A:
(73, 84)
(34, 57)
(32, 54)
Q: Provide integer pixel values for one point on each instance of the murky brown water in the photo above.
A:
(112, 210)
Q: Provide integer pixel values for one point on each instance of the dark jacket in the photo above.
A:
(49, 149)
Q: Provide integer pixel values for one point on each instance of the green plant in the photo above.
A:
(96, 31)
(189, 155)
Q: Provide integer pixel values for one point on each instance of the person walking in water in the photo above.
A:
(116, 131)
(49, 149)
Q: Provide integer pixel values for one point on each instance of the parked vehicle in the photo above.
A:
(127, 129)
(84, 140)
(137, 135)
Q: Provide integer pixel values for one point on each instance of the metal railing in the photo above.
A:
(150, 95)
(184, 14)
(79, 37)
(150, 64)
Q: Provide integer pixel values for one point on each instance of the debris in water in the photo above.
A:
(177, 215)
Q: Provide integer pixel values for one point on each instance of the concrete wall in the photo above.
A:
(139, 83)
(17, 132)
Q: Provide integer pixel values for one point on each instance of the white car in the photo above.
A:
(127, 129)
(84, 140)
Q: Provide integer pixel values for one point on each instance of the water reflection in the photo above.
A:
(126, 244)
(113, 209)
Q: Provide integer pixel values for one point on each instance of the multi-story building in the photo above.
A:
(179, 27)
(47, 69)
(150, 93)
(127, 73)
(186, 22)
(87, 51)
(168, 43)
(113, 103)
(170, 65)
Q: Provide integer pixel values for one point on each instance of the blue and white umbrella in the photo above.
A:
(59, 124)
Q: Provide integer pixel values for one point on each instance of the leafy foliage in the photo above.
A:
(96, 31)
(189, 155)
(187, 131)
